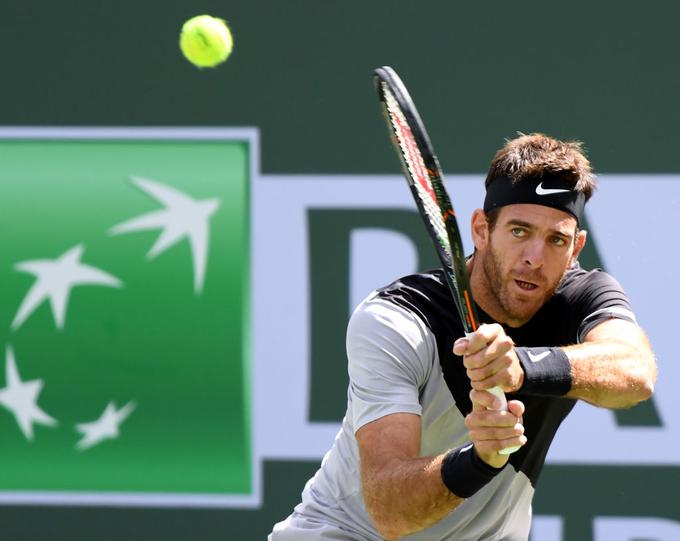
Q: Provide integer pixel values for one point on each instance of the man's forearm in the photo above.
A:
(408, 496)
(611, 374)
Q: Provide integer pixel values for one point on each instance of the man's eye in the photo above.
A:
(559, 241)
(518, 232)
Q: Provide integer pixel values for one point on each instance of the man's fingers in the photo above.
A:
(477, 340)
(493, 367)
(488, 353)
(499, 379)
(496, 433)
(516, 408)
(491, 430)
(460, 346)
(492, 447)
(482, 419)
(484, 399)
(484, 335)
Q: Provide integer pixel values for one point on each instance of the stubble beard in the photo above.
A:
(515, 310)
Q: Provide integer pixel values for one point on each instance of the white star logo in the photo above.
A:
(20, 397)
(182, 217)
(55, 278)
(104, 428)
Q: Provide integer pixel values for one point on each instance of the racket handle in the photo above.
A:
(498, 393)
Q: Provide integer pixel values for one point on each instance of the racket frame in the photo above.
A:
(429, 175)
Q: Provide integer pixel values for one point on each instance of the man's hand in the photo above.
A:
(490, 359)
(492, 430)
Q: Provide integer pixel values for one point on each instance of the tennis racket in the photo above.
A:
(426, 180)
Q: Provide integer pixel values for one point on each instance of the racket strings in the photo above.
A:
(416, 168)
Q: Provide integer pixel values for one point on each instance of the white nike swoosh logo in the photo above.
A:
(540, 190)
(536, 358)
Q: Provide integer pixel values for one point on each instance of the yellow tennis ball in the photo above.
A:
(205, 41)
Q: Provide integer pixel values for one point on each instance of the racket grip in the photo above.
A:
(498, 393)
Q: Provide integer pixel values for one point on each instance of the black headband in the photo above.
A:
(546, 191)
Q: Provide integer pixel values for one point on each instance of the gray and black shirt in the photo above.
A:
(399, 346)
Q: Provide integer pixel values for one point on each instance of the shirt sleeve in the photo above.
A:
(390, 356)
(603, 298)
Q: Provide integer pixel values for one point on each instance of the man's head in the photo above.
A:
(527, 236)
(538, 169)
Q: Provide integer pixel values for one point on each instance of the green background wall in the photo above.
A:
(602, 72)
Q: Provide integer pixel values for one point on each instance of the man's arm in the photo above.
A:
(391, 353)
(614, 367)
(404, 492)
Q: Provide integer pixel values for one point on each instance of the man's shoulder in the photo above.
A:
(578, 283)
(424, 288)
(425, 294)
(425, 282)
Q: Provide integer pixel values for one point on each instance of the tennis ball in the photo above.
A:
(205, 41)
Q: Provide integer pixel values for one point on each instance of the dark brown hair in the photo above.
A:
(537, 155)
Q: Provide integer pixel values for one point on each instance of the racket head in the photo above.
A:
(426, 180)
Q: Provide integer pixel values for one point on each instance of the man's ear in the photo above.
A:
(579, 243)
(479, 226)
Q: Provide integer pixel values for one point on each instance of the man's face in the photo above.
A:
(525, 257)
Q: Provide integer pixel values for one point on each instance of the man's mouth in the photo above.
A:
(526, 286)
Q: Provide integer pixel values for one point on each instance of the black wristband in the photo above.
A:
(547, 371)
(464, 473)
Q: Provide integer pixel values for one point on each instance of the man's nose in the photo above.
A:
(534, 254)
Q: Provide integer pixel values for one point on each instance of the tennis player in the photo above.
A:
(418, 452)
